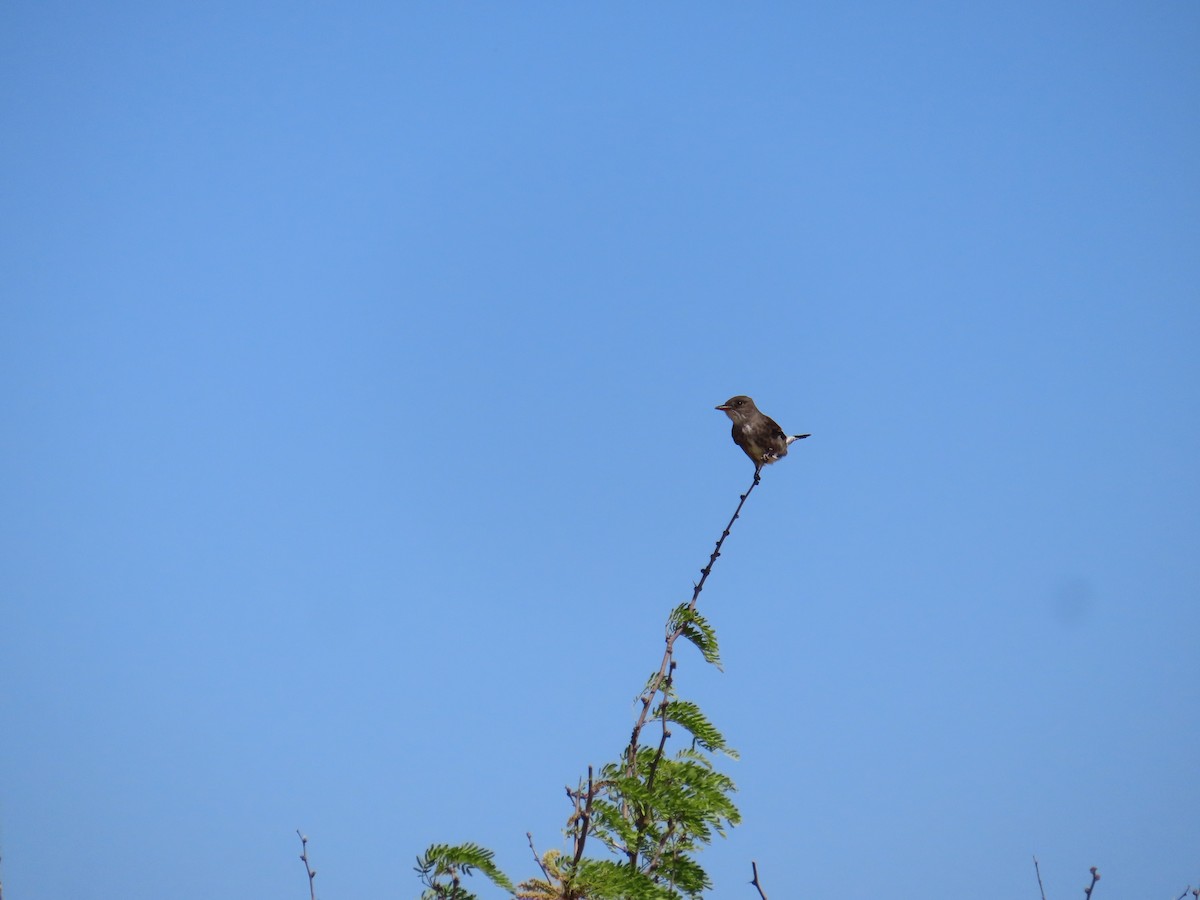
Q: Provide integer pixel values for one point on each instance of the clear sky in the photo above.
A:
(357, 372)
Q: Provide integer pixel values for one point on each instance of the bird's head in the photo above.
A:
(738, 407)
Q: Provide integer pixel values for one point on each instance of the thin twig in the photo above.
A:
(665, 839)
(754, 881)
(1087, 891)
(312, 873)
(537, 859)
(1039, 875)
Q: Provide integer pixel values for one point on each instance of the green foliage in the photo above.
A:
(592, 879)
(606, 879)
(444, 865)
(657, 816)
(692, 626)
(688, 799)
(649, 813)
(652, 810)
(688, 715)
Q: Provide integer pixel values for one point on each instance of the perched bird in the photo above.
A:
(756, 433)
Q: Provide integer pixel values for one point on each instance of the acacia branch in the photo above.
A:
(665, 667)
(666, 732)
(660, 682)
(1039, 877)
(1087, 891)
(754, 868)
(312, 873)
(643, 817)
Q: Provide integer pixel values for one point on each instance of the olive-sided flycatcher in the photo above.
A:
(756, 433)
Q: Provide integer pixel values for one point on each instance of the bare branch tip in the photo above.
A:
(754, 881)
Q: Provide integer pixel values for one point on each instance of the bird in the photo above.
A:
(757, 433)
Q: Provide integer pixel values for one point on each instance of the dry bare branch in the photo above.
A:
(1039, 877)
(754, 881)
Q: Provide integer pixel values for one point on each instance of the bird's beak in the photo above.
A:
(724, 407)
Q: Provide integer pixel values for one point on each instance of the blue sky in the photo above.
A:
(358, 366)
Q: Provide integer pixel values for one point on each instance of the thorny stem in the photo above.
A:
(652, 689)
(1038, 870)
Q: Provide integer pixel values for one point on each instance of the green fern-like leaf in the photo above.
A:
(689, 715)
(450, 860)
(656, 682)
(695, 628)
(684, 873)
(606, 879)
